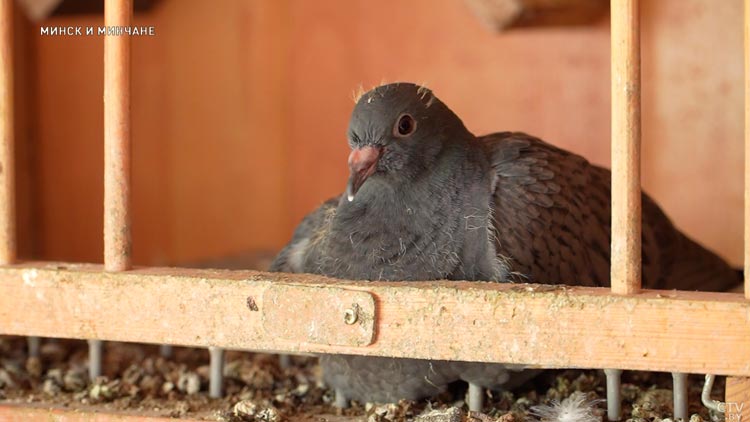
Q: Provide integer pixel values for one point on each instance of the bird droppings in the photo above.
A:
(451, 414)
(247, 410)
(189, 383)
(137, 379)
(29, 277)
(103, 390)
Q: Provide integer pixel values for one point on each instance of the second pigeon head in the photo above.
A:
(396, 131)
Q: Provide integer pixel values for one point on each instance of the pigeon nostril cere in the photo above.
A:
(361, 159)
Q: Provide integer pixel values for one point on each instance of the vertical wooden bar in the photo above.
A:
(626, 144)
(737, 393)
(737, 396)
(746, 25)
(7, 166)
(117, 13)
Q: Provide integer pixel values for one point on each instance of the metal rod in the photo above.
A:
(614, 398)
(476, 397)
(747, 148)
(285, 361)
(680, 395)
(166, 350)
(34, 344)
(216, 375)
(95, 359)
(626, 145)
(117, 137)
(341, 401)
(714, 405)
(7, 164)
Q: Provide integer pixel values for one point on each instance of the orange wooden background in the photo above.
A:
(240, 111)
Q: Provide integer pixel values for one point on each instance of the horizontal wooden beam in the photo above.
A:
(31, 412)
(536, 325)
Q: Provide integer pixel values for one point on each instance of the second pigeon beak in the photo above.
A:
(362, 164)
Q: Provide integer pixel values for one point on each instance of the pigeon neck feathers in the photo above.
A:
(436, 226)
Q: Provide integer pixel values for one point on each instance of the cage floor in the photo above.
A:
(137, 381)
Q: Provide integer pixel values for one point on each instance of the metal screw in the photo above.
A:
(351, 315)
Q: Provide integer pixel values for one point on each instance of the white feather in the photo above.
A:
(576, 408)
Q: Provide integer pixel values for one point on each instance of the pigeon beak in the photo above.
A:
(362, 164)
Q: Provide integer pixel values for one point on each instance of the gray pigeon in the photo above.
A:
(428, 200)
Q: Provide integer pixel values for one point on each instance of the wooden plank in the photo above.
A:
(538, 325)
(737, 392)
(737, 399)
(7, 167)
(626, 146)
(117, 13)
(330, 306)
(505, 14)
(30, 413)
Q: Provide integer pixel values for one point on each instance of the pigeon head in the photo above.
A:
(396, 132)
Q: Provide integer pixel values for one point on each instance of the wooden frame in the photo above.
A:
(117, 138)
(7, 168)
(738, 389)
(626, 147)
(537, 325)
(540, 326)
(18, 413)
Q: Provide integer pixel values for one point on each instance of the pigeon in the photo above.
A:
(428, 200)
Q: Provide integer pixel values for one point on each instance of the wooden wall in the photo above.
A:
(240, 111)
(208, 135)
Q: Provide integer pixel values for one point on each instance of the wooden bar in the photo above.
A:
(546, 326)
(737, 399)
(747, 147)
(30, 412)
(7, 166)
(737, 393)
(117, 243)
(36, 412)
(626, 144)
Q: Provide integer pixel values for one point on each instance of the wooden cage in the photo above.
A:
(645, 329)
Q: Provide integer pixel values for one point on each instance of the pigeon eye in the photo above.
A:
(405, 126)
